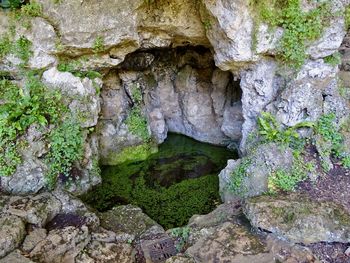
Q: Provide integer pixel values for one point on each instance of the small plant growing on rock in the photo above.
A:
(98, 45)
(182, 235)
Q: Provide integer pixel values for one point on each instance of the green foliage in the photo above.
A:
(299, 26)
(33, 9)
(5, 46)
(22, 49)
(347, 17)
(98, 45)
(136, 121)
(331, 141)
(12, 3)
(182, 235)
(22, 107)
(334, 59)
(288, 180)
(271, 130)
(74, 67)
(237, 177)
(66, 147)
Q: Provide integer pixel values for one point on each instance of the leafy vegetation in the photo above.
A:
(12, 3)
(66, 147)
(271, 131)
(136, 121)
(299, 26)
(237, 177)
(182, 234)
(98, 45)
(33, 9)
(334, 59)
(74, 67)
(331, 140)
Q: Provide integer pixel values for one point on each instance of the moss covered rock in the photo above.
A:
(299, 219)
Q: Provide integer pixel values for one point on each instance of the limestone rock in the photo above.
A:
(61, 245)
(28, 178)
(299, 219)
(179, 259)
(81, 23)
(84, 100)
(73, 205)
(15, 257)
(33, 239)
(36, 210)
(12, 232)
(110, 252)
(259, 87)
(229, 30)
(221, 247)
(128, 219)
(265, 159)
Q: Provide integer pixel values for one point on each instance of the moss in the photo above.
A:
(142, 182)
(132, 153)
(299, 26)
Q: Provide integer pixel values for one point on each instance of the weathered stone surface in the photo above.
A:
(259, 87)
(229, 30)
(28, 178)
(110, 252)
(128, 219)
(73, 205)
(33, 239)
(265, 159)
(302, 99)
(61, 245)
(299, 219)
(180, 259)
(222, 247)
(175, 22)
(36, 210)
(12, 232)
(15, 257)
(84, 102)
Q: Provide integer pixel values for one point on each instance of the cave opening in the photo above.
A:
(170, 121)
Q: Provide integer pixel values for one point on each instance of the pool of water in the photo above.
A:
(178, 181)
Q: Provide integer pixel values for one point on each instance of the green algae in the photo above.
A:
(171, 185)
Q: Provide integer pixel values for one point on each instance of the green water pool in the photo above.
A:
(178, 181)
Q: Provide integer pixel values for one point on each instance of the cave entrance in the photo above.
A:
(176, 100)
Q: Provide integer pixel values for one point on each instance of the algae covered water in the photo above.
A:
(178, 181)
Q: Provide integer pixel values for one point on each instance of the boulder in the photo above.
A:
(12, 232)
(110, 252)
(129, 220)
(265, 159)
(33, 238)
(15, 257)
(61, 245)
(299, 219)
(36, 210)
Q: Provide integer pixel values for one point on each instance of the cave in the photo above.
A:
(170, 120)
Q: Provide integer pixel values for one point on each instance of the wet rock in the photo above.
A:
(36, 210)
(299, 219)
(128, 219)
(110, 252)
(12, 232)
(61, 245)
(230, 243)
(33, 239)
(15, 257)
(262, 161)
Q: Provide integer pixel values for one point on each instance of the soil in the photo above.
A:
(333, 186)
